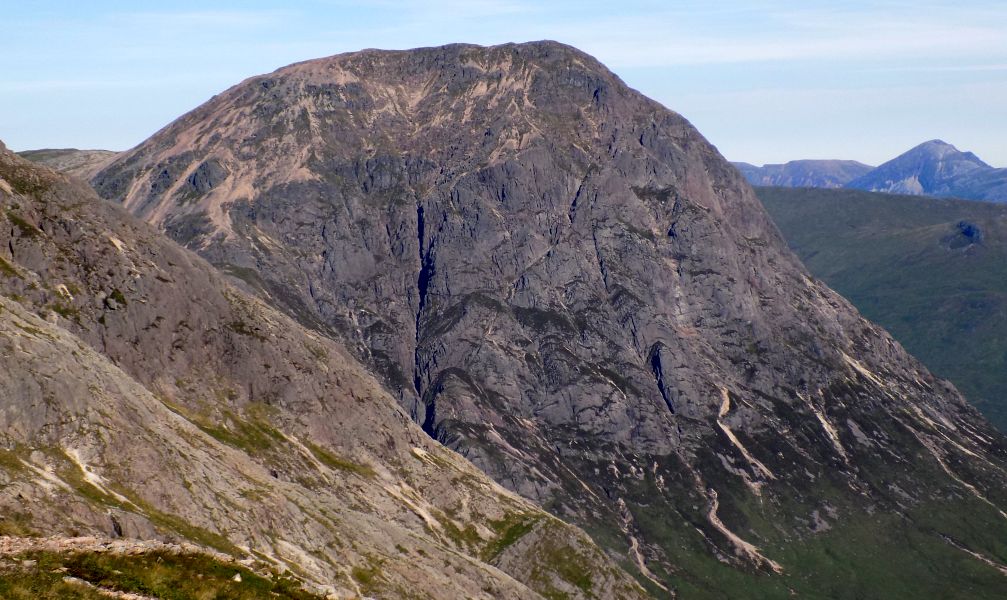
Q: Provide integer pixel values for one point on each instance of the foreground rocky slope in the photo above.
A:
(565, 282)
(146, 398)
(89, 568)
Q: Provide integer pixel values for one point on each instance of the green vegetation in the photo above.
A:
(70, 313)
(878, 547)
(251, 433)
(184, 528)
(568, 566)
(467, 537)
(25, 180)
(254, 436)
(338, 463)
(7, 269)
(242, 328)
(158, 574)
(509, 530)
(909, 264)
(368, 577)
(26, 228)
(116, 295)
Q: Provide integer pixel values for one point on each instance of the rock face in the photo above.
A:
(804, 173)
(562, 280)
(144, 397)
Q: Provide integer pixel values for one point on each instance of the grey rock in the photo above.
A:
(566, 283)
(194, 412)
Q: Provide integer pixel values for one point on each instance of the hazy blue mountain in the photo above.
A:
(933, 168)
(804, 173)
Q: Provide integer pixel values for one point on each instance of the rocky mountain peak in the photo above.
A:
(566, 283)
(941, 150)
(934, 167)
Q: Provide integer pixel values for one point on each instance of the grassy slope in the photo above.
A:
(155, 574)
(890, 255)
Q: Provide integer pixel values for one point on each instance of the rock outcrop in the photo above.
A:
(143, 397)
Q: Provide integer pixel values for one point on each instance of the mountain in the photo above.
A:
(79, 163)
(988, 184)
(931, 271)
(804, 173)
(566, 283)
(930, 168)
(146, 398)
(934, 168)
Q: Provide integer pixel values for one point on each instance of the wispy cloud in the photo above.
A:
(828, 34)
(203, 18)
(885, 67)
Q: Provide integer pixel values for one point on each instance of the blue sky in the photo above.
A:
(764, 81)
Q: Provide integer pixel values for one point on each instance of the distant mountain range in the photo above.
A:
(933, 168)
(805, 173)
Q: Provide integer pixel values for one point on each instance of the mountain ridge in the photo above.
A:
(933, 168)
(804, 173)
(78, 163)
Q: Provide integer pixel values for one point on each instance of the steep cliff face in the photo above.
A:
(565, 282)
(144, 397)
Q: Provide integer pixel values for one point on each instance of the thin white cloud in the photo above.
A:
(204, 18)
(653, 41)
(67, 85)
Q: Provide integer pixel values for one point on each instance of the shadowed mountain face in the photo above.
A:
(565, 282)
(804, 173)
(144, 397)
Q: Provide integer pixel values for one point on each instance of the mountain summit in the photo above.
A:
(930, 168)
(565, 282)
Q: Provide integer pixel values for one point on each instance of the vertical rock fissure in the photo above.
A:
(422, 285)
(658, 369)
